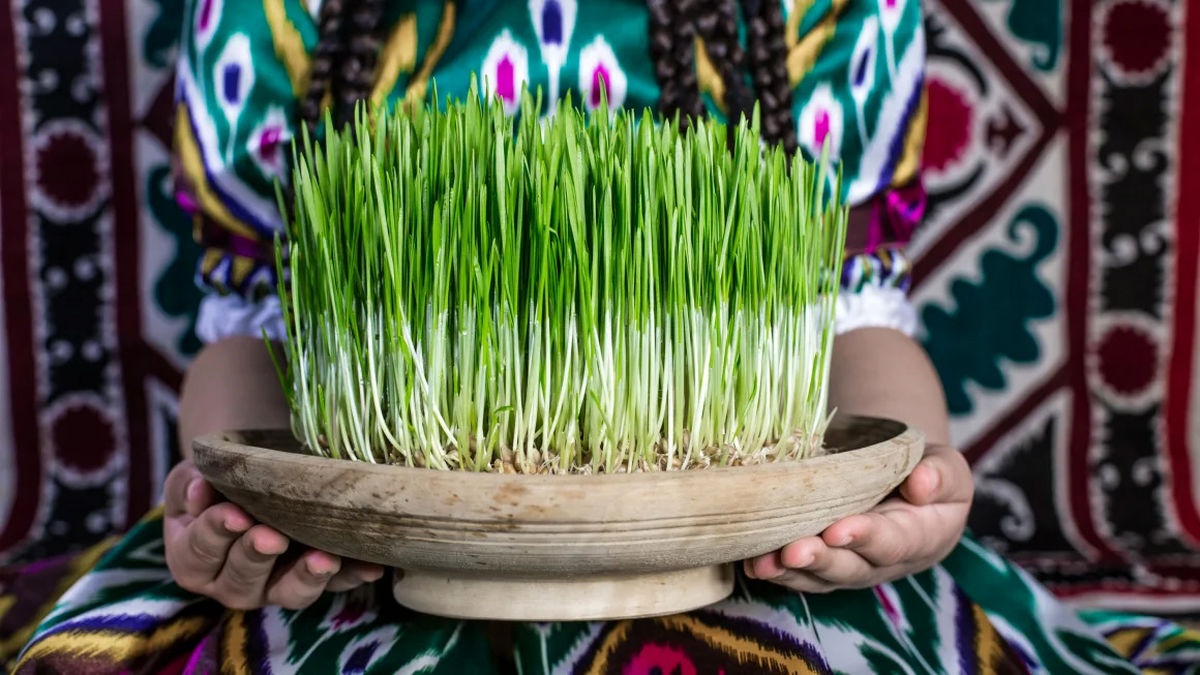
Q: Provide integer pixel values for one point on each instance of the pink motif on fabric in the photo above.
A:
(821, 122)
(505, 80)
(506, 70)
(353, 611)
(821, 127)
(886, 603)
(205, 14)
(193, 662)
(185, 200)
(268, 143)
(600, 78)
(896, 216)
(659, 658)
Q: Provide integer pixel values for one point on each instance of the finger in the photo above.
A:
(344, 582)
(243, 578)
(765, 566)
(197, 552)
(300, 583)
(185, 492)
(801, 553)
(942, 475)
(355, 573)
(775, 563)
(882, 538)
(803, 582)
(839, 567)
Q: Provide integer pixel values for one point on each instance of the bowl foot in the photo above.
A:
(597, 597)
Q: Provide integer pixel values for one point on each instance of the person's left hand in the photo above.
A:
(903, 535)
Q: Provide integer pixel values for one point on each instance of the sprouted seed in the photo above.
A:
(576, 293)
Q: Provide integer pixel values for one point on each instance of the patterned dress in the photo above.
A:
(857, 72)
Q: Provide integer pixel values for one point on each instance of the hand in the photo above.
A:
(217, 550)
(901, 536)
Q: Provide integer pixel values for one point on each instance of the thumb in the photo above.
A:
(942, 475)
(185, 491)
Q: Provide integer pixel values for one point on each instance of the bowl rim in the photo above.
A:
(220, 443)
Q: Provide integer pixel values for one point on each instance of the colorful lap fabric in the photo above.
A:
(975, 613)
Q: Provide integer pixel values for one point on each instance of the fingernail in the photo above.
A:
(318, 568)
(265, 548)
(804, 562)
(845, 541)
(193, 489)
(372, 576)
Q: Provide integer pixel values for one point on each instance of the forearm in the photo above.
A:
(879, 371)
(884, 373)
(231, 384)
(875, 371)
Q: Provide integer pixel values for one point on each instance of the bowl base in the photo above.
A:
(590, 598)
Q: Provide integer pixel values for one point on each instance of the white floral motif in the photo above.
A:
(207, 17)
(506, 70)
(862, 71)
(554, 22)
(267, 141)
(233, 77)
(821, 122)
(598, 68)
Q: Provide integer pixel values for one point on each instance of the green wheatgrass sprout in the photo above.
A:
(574, 293)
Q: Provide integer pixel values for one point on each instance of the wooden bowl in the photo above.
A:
(563, 547)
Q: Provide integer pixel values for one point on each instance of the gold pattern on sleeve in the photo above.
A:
(399, 55)
(415, 93)
(708, 79)
(803, 56)
(289, 46)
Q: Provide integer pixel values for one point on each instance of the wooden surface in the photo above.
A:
(527, 529)
(602, 596)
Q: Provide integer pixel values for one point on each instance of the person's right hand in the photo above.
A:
(216, 549)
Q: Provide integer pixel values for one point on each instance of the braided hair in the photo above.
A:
(349, 39)
(362, 53)
(672, 34)
(343, 62)
(768, 66)
(719, 28)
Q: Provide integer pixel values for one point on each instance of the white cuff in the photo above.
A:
(223, 316)
(875, 307)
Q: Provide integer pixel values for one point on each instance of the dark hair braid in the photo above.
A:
(331, 43)
(344, 60)
(672, 35)
(673, 26)
(768, 63)
(357, 70)
(718, 25)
